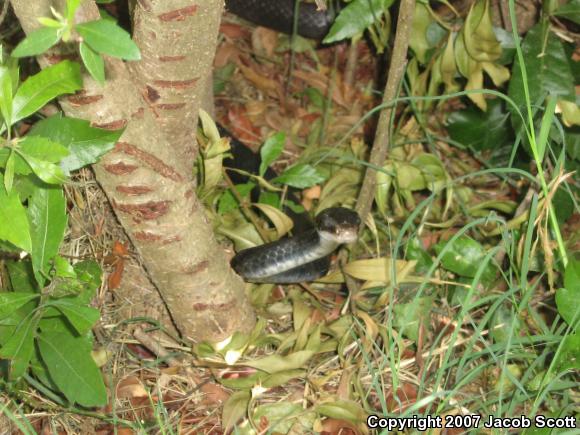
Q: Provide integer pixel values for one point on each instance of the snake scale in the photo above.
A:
(279, 15)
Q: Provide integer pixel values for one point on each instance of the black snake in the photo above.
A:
(306, 256)
(279, 15)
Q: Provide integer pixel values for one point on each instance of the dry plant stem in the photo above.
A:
(149, 182)
(351, 62)
(381, 144)
(505, 15)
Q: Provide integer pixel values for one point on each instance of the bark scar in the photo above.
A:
(179, 14)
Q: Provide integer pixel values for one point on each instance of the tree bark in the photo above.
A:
(148, 176)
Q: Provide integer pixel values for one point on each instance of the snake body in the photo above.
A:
(279, 15)
(304, 257)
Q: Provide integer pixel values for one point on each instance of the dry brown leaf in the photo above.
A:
(226, 53)
(265, 84)
(264, 41)
(214, 394)
(130, 387)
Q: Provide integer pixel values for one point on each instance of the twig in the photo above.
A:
(381, 143)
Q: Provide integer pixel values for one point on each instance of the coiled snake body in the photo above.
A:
(304, 257)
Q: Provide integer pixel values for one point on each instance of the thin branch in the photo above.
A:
(381, 143)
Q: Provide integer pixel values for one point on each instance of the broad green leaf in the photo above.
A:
(234, 409)
(85, 143)
(568, 298)
(37, 42)
(93, 62)
(13, 222)
(20, 346)
(11, 301)
(228, 201)
(81, 318)
(284, 416)
(38, 150)
(48, 219)
(43, 149)
(569, 357)
(271, 150)
(21, 276)
(355, 18)
(547, 67)
(464, 257)
(63, 269)
(105, 37)
(501, 324)
(46, 171)
(89, 273)
(409, 316)
(6, 93)
(418, 38)
(71, 8)
(277, 363)
(570, 11)
(71, 367)
(62, 78)
(342, 410)
(9, 171)
(481, 130)
(300, 176)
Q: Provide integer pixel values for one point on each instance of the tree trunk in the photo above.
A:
(148, 176)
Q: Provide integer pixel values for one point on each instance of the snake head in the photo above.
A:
(338, 224)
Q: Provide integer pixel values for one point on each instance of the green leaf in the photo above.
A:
(62, 78)
(277, 363)
(567, 298)
(481, 130)
(228, 202)
(547, 67)
(48, 219)
(93, 62)
(85, 143)
(11, 301)
(464, 257)
(6, 94)
(342, 410)
(13, 222)
(235, 408)
(355, 18)
(21, 276)
(71, 367)
(46, 171)
(89, 273)
(569, 357)
(9, 171)
(43, 149)
(418, 41)
(409, 316)
(105, 37)
(37, 42)
(570, 11)
(20, 346)
(71, 8)
(81, 318)
(36, 149)
(271, 150)
(300, 176)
